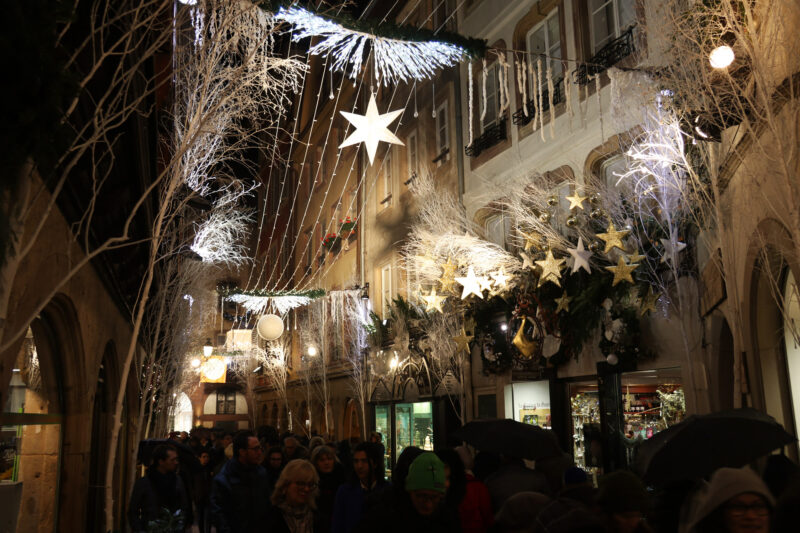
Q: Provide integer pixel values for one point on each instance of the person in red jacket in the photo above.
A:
(475, 510)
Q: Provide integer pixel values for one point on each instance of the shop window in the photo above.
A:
(586, 433)
(226, 403)
(609, 19)
(183, 413)
(791, 332)
(413, 426)
(383, 425)
(529, 403)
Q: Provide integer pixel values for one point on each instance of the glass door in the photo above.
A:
(383, 426)
(413, 426)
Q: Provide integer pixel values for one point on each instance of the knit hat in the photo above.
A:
(622, 491)
(426, 473)
(727, 483)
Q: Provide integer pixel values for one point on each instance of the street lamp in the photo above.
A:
(312, 350)
(196, 363)
(721, 56)
(208, 348)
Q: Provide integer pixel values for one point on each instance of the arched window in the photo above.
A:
(791, 339)
(183, 413)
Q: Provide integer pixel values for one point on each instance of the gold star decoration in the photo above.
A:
(648, 303)
(622, 272)
(613, 238)
(576, 201)
(527, 347)
(563, 303)
(635, 257)
(532, 240)
(526, 261)
(486, 283)
(448, 273)
(433, 301)
(500, 278)
(470, 284)
(551, 269)
(462, 341)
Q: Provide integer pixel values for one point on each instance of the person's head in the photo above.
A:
(455, 475)
(314, 442)
(290, 445)
(275, 458)
(297, 485)
(184, 436)
(204, 457)
(519, 512)
(165, 458)
(227, 439)
(367, 463)
(246, 448)
(736, 500)
(375, 437)
(624, 501)
(324, 459)
(425, 483)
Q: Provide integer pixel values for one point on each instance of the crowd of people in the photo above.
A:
(262, 482)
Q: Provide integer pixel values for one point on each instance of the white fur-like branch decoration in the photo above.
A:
(261, 304)
(220, 238)
(395, 59)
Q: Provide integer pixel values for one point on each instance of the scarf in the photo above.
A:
(298, 519)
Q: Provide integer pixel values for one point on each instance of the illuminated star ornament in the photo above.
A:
(580, 256)
(471, 284)
(433, 301)
(622, 272)
(371, 128)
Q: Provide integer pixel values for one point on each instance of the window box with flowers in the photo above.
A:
(331, 242)
(347, 228)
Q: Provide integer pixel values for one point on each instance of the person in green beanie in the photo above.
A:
(426, 483)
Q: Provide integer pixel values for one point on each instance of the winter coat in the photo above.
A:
(240, 498)
(352, 501)
(328, 486)
(475, 510)
(399, 516)
(154, 492)
(276, 523)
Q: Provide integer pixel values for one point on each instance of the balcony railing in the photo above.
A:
(520, 119)
(491, 136)
(606, 57)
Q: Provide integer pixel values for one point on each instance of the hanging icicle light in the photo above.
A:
(208, 348)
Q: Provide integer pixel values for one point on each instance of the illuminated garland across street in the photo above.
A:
(279, 301)
(413, 57)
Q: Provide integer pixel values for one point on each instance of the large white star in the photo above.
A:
(371, 128)
(471, 284)
(581, 256)
(671, 250)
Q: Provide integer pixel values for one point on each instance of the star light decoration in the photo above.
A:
(471, 284)
(462, 341)
(395, 59)
(433, 301)
(580, 256)
(371, 128)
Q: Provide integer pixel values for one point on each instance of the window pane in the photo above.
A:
(627, 14)
(491, 98)
(602, 23)
(496, 230)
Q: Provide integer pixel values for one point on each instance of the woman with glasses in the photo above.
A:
(331, 476)
(734, 501)
(294, 500)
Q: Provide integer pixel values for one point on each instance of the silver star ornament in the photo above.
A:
(371, 128)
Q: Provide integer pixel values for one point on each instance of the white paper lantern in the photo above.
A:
(269, 327)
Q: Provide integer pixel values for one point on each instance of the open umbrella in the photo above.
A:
(701, 444)
(508, 437)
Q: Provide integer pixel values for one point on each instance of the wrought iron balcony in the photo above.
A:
(491, 136)
(520, 119)
(608, 56)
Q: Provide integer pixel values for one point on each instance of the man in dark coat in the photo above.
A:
(362, 492)
(160, 494)
(240, 493)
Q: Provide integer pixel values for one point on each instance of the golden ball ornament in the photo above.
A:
(269, 327)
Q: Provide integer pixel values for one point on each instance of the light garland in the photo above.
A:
(395, 59)
(279, 301)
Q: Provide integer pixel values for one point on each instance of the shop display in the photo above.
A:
(586, 430)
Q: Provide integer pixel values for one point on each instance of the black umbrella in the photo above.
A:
(701, 444)
(511, 438)
(186, 457)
